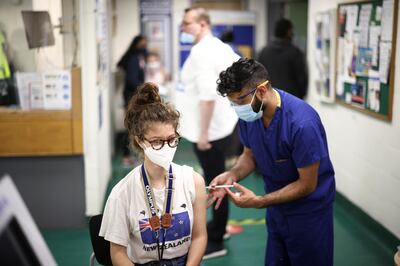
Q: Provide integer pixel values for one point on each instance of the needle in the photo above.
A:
(220, 186)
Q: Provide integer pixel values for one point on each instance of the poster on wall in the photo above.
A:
(103, 54)
(324, 55)
(49, 90)
(30, 90)
(57, 93)
(365, 59)
(102, 41)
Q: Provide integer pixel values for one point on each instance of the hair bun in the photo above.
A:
(147, 94)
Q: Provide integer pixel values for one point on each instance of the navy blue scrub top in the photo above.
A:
(294, 139)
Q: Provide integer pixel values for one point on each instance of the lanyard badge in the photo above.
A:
(166, 218)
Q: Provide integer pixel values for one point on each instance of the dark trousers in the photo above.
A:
(213, 163)
(302, 239)
(180, 261)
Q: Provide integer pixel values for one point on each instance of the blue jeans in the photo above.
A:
(180, 261)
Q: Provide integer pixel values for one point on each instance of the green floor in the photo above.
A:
(358, 239)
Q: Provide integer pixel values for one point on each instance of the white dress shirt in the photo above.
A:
(199, 76)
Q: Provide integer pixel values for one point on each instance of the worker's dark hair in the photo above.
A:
(132, 49)
(282, 27)
(242, 74)
(227, 36)
(146, 107)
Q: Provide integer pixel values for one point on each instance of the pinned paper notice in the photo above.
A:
(384, 61)
(29, 83)
(57, 90)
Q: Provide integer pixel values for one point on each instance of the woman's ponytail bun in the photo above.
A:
(147, 94)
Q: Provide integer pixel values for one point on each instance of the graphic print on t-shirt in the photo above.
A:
(180, 228)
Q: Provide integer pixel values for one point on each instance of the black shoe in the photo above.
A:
(214, 250)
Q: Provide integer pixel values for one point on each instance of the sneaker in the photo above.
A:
(214, 250)
(232, 229)
(226, 236)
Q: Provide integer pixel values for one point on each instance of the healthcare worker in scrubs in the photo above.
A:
(284, 138)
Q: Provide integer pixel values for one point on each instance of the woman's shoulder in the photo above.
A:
(198, 179)
(182, 173)
(188, 173)
(179, 167)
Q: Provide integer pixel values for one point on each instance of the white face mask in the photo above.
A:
(155, 65)
(187, 38)
(162, 157)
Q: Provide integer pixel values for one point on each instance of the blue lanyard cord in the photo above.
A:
(152, 204)
(169, 190)
(149, 194)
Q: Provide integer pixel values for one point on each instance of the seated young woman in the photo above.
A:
(156, 215)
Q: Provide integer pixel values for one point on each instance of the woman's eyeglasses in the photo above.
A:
(158, 144)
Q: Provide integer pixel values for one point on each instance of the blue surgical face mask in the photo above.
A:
(187, 38)
(246, 113)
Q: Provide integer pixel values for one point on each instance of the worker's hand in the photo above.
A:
(217, 194)
(243, 197)
(203, 143)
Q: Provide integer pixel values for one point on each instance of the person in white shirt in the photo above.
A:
(207, 118)
(156, 215)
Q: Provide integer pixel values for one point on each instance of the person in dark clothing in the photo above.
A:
(228, 37)
(285, 62)
(133, 65)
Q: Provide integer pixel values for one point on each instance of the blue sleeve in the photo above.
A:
(309, 145)
(243, 133)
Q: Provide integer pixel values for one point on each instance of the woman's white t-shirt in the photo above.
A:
(126, 216)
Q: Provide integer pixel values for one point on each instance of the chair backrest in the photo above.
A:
(101, 247)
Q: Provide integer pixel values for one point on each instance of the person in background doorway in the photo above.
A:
(156, 73)
(208, 120)
(285, 139)
(228, 37)
(156, 215)
(133, 65)
(285, 62)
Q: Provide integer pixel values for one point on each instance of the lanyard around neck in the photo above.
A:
(167, 216)
(278, 98)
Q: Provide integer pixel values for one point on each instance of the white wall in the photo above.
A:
(95, 88)
(259, 7)
(12, 25)
(365, 151)
(127, 27)
(70, 11)
(46, 58)
(178, 10)
(50, 57)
